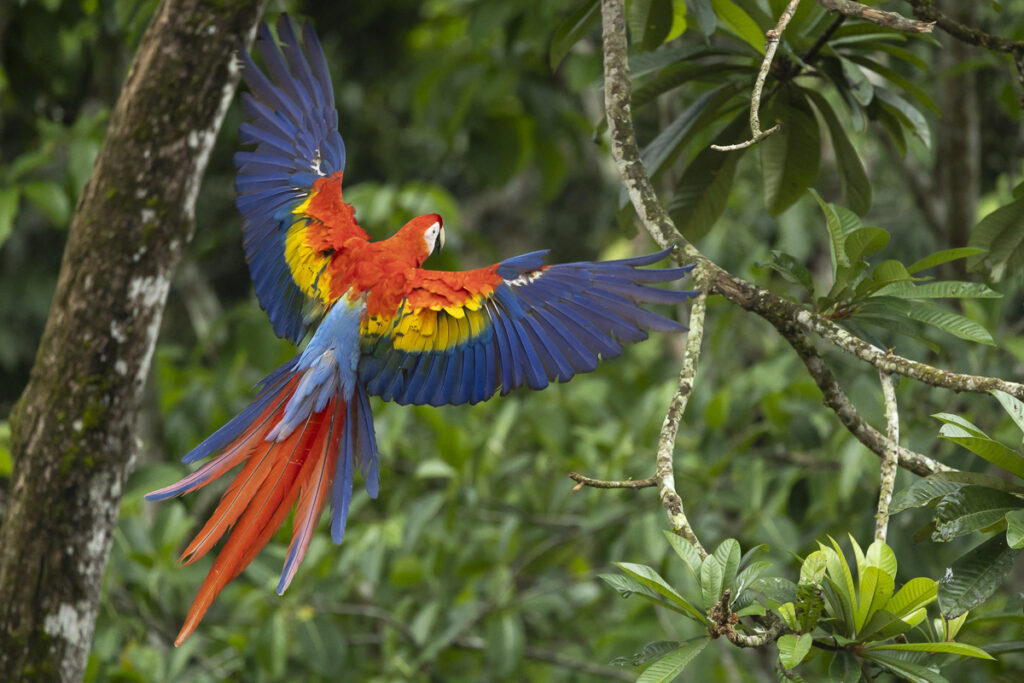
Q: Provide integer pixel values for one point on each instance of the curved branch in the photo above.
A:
(771, 45)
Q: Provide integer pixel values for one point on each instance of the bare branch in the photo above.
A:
(670, 427)
(771, 45)
(892, 20)
(891, 458)
(582, 481)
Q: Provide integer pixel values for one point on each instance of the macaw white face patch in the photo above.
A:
(434, 236)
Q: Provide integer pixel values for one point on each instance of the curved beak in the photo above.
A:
(440, 239)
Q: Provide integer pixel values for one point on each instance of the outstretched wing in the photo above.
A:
(289, 188)
(460, 337)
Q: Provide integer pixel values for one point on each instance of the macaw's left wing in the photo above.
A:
(289, 187)
(460, 337)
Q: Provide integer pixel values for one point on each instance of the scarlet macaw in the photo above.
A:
(386, 326)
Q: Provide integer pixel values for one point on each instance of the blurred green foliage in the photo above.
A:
(478, 561)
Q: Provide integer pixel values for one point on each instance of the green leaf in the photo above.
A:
(1015, 529)
(8, 210)
(893, 126)
(702, 191)
(972, 508)
(836, 234)
(985, 447)
(678, 20)
(728, 555)
(814, 566)
(944, 289)
(944, 647)
(890, 271)
(884, 624)
(650, 22)
(572, 30)
(852, 176)
(711, 577)
(790, 157)
(1001, 234)
(975, 576)
(953, 323)
(875, 591)
(707, 21)
(435, 468)
(739, 22)
(50, 199)
(774, 590)
(842, 580)
(914, 673)
(793, 649)
(681, 73)
(1013, 407)
(685, 550)
(671, 665)
(863, 242)
(860, 87)
(944, 256)
(626, 585)
(915, 594)
(650, 578)
(962, 422)
(908, 115)
(880, 555)
(791, 269)
(649, 653)
(916, 91)
(664, 149)
(978, 479)
(749, 574)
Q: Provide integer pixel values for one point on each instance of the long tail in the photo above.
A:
(305, 464)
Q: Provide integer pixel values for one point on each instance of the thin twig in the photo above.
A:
(890, 19)
(773, 37)
(890, 461)
(582, 481)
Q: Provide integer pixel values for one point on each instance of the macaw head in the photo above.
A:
(423, 235)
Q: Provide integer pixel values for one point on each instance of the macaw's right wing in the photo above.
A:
(289, 187)
(460, 337)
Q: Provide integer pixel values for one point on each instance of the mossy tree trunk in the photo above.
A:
(73, 430)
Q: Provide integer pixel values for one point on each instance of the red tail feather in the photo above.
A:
(275, 476)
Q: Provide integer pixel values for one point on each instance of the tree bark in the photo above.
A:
(73, 430)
